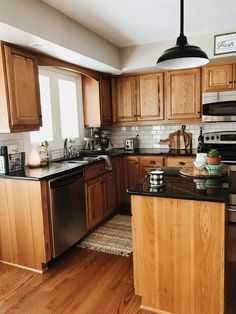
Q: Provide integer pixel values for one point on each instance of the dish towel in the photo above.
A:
(108, 164)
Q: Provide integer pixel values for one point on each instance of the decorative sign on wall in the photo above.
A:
(224, 43)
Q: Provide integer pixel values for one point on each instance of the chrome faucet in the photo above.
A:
(67, 148)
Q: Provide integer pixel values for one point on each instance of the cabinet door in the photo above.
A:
(94, 202)
(183, 95)
(124, 100)
(23, 88)
(119, 181)
(131, 174)
(217, 78)
(91, 102)
(185, 161)
(105, 100)
(150, 103)
(149, 163)
(110, 193)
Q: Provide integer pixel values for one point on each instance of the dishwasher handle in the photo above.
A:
(66, 180)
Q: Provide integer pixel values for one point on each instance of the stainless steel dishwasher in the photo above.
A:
(67, 209)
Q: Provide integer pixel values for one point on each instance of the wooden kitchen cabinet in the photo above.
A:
(149, 163)
(131, 174)
(150, 104)
(100, 193)
(183, 95)
(109, 193)
(124, 99)
(178, 241)
(20, 108)
(138, 98)
(219, 77)
(24, 233)
(105, 100)
(119, 181)
(177, 161)
(94, 202)
(96, 101)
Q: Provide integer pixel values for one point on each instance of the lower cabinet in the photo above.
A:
(131, 174)
(24, 224)
(149, 163)
(100, 197)
(178, 161)
(119, 180)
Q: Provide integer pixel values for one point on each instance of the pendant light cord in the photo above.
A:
(181, 17)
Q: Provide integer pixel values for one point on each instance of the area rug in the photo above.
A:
(114, 237)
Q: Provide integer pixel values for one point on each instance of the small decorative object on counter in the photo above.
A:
(200, 141)
(43, 154)
(214, 169)
(213, 157)
(200, 162)
(34, 159)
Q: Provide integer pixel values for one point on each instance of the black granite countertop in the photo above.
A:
(180, 187)
(53, 169)
(61, 167)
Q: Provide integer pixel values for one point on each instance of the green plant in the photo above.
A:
(213, 153)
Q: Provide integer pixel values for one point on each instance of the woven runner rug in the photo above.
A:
(114, 237)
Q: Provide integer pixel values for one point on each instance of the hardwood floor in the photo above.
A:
(81, 281)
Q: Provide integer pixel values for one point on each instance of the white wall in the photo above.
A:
(35, 17)
(143, 57)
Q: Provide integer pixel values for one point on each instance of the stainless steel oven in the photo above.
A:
(219, 106)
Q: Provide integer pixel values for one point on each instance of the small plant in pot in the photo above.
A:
(213, 157)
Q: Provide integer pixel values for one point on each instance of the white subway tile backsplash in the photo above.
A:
(149, 136)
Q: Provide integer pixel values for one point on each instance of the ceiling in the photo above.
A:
(136, 22)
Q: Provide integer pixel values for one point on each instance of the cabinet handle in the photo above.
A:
(230, 82)
(152, 162)
(139, 115)
(198, 112)
(234, 81)
(181, 163)
(40, 116)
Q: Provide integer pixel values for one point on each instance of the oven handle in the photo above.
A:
(231, 210)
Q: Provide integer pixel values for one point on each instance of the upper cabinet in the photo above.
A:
(97, 101)
(150, 97)
(138, 98)
(124, 99)
(19, 91)
(219, 77)
(183, 95)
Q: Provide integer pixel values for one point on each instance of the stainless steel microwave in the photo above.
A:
(219, 106)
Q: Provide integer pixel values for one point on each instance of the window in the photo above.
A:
(62, 110)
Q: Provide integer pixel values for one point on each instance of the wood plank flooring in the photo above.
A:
(81, 281)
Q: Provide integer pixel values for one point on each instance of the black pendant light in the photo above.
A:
(182, 55)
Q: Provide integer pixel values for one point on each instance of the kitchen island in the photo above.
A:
(179, 244)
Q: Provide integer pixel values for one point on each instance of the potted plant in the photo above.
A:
(213, 157)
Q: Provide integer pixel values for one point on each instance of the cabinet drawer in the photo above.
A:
(151, 161)
(94, 171)
(175, 161)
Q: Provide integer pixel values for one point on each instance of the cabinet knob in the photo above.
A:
(230, 82)
(152, 162)
(139, 115)
(40, 116)
(181, 163)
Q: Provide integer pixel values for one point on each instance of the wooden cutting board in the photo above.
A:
(193, 172)
(179, 139)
